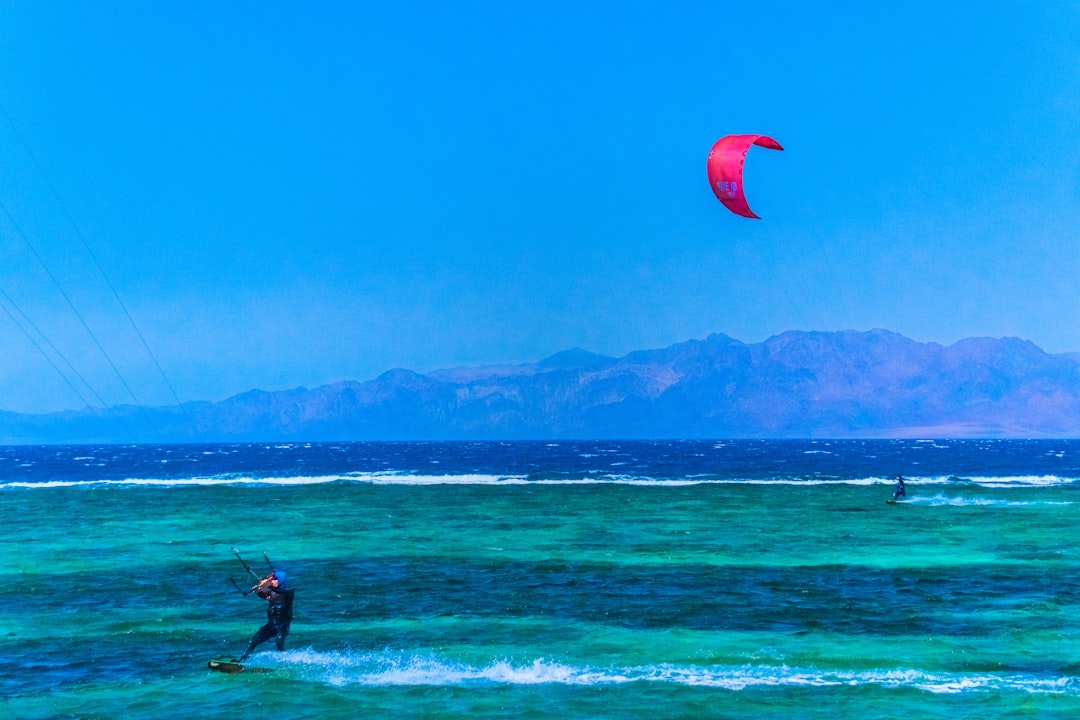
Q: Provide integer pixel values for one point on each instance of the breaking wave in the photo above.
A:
(402, 478)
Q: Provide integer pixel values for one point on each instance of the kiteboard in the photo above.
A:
(232, 665)
(225, 665)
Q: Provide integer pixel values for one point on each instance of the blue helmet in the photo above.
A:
(280, 576)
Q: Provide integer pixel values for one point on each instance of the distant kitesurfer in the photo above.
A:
(279, 597)
(900, 491)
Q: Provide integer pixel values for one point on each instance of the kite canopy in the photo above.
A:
(725, 166)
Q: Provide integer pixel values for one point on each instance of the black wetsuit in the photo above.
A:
(901, 491)
(278, 619)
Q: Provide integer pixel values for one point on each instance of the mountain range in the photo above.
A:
(793, 385)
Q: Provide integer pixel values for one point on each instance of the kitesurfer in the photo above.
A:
(900, 491)
(279, 598)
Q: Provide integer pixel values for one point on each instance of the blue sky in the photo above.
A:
(288, 194)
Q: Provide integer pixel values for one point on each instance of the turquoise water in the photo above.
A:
(554, 592)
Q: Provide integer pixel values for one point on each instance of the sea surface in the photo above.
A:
(698, 579)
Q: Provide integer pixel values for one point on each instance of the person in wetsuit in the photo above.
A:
(279, 599)
(900, 491)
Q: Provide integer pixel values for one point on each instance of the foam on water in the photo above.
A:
(416, 669)
(941, 500)
(1021, 481)
(401, 478)
(176, 482)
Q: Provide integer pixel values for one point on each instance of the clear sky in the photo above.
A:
(288, 194)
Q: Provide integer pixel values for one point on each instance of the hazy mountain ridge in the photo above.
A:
(796, 384)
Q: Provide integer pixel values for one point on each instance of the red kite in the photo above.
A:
(725, 167)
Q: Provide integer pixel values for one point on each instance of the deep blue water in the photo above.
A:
(570, 460)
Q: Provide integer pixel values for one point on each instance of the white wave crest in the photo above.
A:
(404, 478)
(1021, 481)
(175, 482)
